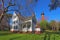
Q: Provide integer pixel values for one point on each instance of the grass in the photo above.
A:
(17, 36)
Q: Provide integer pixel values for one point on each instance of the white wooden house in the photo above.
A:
(15, 23)
(22, 24)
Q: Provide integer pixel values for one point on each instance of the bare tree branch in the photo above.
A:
(5, 9)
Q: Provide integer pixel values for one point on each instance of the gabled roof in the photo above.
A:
(22, 18)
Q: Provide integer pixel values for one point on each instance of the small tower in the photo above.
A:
(42, 14)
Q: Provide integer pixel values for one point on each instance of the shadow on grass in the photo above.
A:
(15, 38)
(48, 35)
(45, 36)
(5, 33)
(54, 36)
(53, 32)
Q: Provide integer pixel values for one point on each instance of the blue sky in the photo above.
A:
(42, 6)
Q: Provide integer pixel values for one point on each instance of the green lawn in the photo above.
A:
(17, 36)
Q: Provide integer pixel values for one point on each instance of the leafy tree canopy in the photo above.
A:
(43, 24)
(54, 4)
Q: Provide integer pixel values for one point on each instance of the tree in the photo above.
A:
(58, 26)
(28, 4)
(8, 17)
(44, 25)
(53, 25)
(54, 4)
(17, 5)
(5, 22)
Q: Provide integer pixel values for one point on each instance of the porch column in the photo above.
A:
(26, 27)
(31, 26)
(21, 28)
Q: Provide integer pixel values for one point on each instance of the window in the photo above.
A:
(15, 27)
(24, 26)
(29, 26)
(14, 22)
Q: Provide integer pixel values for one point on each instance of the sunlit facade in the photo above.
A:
(23, 25)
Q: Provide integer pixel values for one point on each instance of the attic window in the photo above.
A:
(14, 17)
